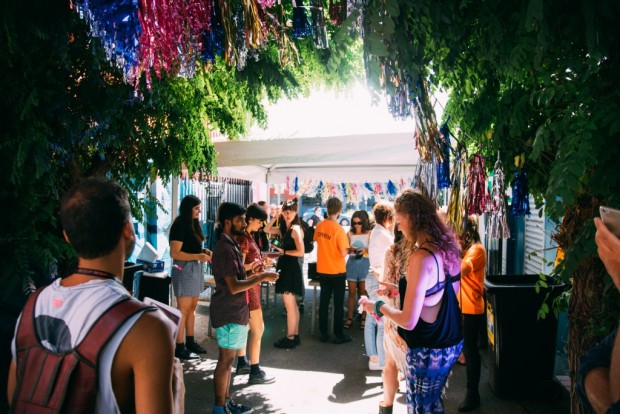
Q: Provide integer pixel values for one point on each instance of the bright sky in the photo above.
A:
(324, 113)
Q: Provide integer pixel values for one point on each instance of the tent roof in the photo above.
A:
(351, 158)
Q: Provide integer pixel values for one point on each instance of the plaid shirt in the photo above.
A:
(225, 307)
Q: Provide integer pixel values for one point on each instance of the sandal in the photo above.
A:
(348, 323)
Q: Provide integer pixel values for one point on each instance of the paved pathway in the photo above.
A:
(325, 378)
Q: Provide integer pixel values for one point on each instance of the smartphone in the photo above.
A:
(611, 218)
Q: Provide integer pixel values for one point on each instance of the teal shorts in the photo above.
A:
(232, 336)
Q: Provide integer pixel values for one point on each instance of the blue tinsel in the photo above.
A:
(443, 169)
(213, 41)
(520, 195)
(301, 25)
(344, 191)
(369, 187)
(296, 185)
(117, 25)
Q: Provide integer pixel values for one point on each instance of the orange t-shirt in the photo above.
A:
(471, 294)
(331, 239)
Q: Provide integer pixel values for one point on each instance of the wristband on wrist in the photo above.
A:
(378, 305)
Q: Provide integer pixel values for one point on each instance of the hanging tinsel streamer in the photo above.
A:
(457, 204)
(337, 11)
(425, 178)
(319, 32)
(498, 219)
(426, 134)
(170, 41)
(118, 27)
(369, 188)
(477, 192)
(345, 196)
(255, 26)
(443, 170)
(213, 39)
(520, 194)
(296, 185)
(241, 47)
(319, 188)
(301, 25)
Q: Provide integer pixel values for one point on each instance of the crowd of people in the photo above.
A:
(419, 287)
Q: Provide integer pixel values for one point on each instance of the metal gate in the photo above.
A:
(213, 191)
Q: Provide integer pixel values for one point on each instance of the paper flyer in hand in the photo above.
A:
(172, 313)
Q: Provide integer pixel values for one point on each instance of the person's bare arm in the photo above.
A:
(12, 382)
(271, 228)
(414, 297)
(608, 250)
(236, 286)
(596, 384)
(177, 254)
(151, 364)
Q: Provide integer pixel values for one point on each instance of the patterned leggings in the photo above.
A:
(427, 373)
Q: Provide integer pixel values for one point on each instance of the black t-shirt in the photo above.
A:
(180, 232)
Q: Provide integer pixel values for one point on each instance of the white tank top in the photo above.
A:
(63, 317)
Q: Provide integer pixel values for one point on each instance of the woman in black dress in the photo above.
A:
(290, 283)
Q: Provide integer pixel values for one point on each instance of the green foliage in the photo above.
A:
(68, 115)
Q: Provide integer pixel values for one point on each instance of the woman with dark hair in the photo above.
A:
(187, 254)
(291, 283)
(358, 263)
(429, 317)
(254, 263)
(471, 298)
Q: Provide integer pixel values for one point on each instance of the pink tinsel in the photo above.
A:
(477, 193)
(171, 35)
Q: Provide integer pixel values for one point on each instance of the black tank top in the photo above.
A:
(446, 330)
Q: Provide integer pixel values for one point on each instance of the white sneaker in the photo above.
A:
(374, 365)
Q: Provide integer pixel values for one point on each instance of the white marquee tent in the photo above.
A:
(351, 158)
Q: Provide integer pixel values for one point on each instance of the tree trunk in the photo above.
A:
(588, 282)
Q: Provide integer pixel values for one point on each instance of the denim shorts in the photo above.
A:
(232, 336)
(357, 269)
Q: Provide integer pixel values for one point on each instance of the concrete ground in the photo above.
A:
(325, 378)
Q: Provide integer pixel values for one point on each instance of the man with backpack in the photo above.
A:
(82, 343)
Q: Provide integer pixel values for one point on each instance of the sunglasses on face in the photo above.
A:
(357, 223)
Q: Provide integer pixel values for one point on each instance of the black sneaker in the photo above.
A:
(342, 339)
(285, 343)
(185, 354)
(261, 378)
(195, 348)
(242, 369)
(297, 340)
(235, 408)
(324, 337)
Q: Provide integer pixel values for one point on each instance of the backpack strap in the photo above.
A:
(26, 334)
(106, 326)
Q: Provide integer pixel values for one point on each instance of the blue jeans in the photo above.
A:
(373, 332)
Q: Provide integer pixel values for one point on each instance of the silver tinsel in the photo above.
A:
(498, 220)
(425, 179)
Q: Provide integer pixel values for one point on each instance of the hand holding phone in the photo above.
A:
(611, 218)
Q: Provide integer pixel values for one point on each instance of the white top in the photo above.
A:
(63, 317)
(380, 240)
